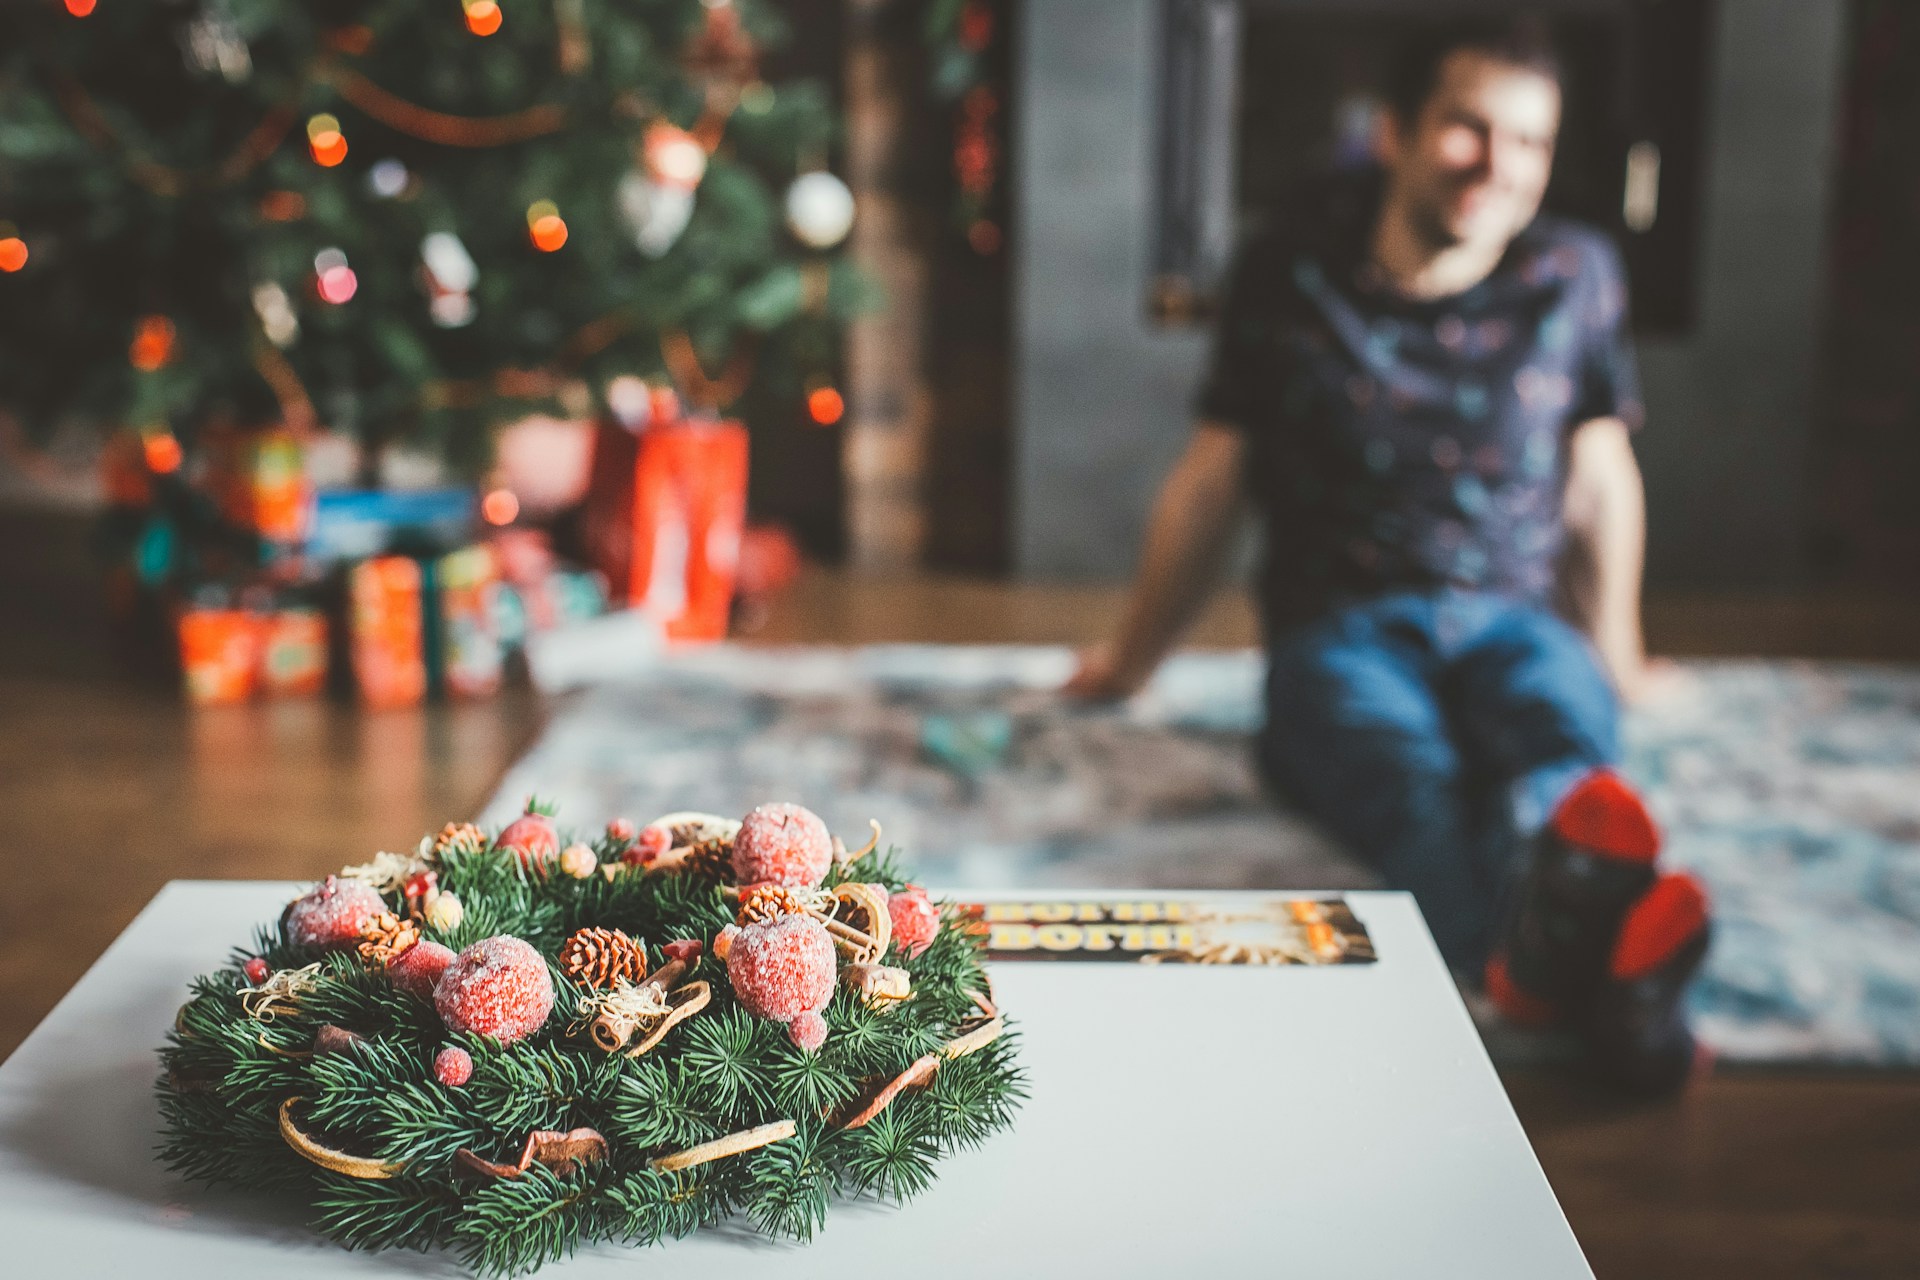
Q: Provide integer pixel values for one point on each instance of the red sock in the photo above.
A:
(1665, 918)
(1606, 816)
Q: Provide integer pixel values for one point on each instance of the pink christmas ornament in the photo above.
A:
(782, 844)
(497, 987)
(332, 914)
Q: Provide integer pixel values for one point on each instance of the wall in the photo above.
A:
(1101, 398)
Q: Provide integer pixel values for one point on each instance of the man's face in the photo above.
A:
(1473, 166)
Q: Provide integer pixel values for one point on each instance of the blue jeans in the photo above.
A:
(1431, 733)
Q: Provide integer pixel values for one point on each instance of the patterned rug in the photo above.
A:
(1793, 789)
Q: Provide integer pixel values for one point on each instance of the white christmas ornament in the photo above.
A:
(656, 212)
(819, 209)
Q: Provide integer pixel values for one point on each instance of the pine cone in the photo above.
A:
(603, 958)
(710, 859)
(384, 938)
(459, 837)
(770, 902)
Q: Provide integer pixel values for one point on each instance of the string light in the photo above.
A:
(80, 8)
(499, 507)
(13, 253)
(825, 406)
(162, 452)
(152, 344)
(283, 206)
(324, 139)
(483, 16)
(333, 279)
(545, 226)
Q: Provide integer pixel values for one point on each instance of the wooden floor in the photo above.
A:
(109, 788)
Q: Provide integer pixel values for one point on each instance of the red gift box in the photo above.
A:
(664, 512)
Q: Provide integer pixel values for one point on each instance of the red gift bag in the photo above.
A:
(664, 512)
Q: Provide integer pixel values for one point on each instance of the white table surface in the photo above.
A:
(1184, 1121)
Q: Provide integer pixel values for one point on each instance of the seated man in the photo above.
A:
(1427, 389)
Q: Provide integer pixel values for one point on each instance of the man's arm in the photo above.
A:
(1188, 537)
(1606, 514)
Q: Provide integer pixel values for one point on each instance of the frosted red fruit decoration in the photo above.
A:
(531, 835)
(257, 969)
(783, 970)
(915, 920)
(782, 844)
(453, 1066)
(497, 987)
(621, 830)
(332, 914)
(418, 969)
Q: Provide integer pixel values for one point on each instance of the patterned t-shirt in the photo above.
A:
(1401, 444)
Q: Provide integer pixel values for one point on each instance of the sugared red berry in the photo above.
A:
(418, 969)
(531, 836)
(652, 841)
(332, 914)
(420, 884)
(916, 921)
(782, 968)
(453, 1066)
(782, 843)
(621, 830)
(257, 969)
(808, 1031)
(497, 987)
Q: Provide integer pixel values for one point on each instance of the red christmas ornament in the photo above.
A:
(257, 969)
(332, 914)
(418, 969)
(782, 969)
(782, 844)
(497, 987)
(531, 835)
(916, 921)
(453, 1066)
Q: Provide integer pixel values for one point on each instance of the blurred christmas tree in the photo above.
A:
(407, 218)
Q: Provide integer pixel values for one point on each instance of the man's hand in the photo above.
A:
(1188, 537)
(1651, 681)
(1098, 677)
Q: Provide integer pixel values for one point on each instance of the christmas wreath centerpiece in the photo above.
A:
(510, 1043)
